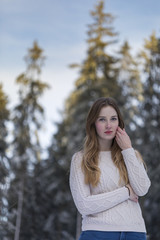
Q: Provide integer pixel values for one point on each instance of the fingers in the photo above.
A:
(119, 133)
(119, 130)
(133, 196)
(122, 139)
(135, 199)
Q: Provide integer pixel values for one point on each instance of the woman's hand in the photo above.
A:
(122, 139)
(132, 196)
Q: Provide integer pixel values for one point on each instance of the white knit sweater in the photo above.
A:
(107, 207)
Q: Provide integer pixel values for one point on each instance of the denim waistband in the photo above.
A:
(107, 235)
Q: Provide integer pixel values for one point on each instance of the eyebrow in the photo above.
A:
(111, 116)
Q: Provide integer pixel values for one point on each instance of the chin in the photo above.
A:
(109, 138)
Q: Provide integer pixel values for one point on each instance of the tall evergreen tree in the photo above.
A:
(150, 130)
(98, 74)
(97, 77)
(129, 79)
(4, 161)
(27, 120)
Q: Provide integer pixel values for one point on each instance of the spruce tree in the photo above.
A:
(130, 82)
(27, 119)
(149, 130)
(97, 78)
(4, 161)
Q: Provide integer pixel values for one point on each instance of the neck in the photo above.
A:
(105, 145)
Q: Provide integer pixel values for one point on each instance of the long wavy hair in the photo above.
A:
(91, 145)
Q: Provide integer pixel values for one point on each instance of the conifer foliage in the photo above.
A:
(4, 161)
(150, 129)
(97, 75)
(27, 119)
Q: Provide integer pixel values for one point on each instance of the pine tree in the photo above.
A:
(130, 82)
(150, 130)
(27, 120)
(97, 78)
(98, 74)
(4, 161)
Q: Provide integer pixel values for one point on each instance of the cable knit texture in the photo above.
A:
(107, 207)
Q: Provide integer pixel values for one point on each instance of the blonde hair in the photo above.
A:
(91, 145)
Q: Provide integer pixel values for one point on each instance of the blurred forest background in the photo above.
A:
(35, 200)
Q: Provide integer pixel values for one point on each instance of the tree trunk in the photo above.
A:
(78, 226)
(19, 210)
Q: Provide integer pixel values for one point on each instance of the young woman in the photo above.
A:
(107, 177)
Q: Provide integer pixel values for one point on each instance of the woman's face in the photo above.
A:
(107, 123)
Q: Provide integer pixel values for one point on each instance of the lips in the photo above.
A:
(108, 132)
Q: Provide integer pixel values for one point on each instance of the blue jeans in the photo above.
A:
(103, 235)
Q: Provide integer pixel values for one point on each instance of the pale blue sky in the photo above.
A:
(60, 28)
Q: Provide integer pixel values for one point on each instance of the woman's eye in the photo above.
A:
(113, 119)
(101, 119)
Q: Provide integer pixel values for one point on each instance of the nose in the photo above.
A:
(108, 124)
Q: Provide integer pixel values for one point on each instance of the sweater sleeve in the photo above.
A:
(84, 201)
(136, 172)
